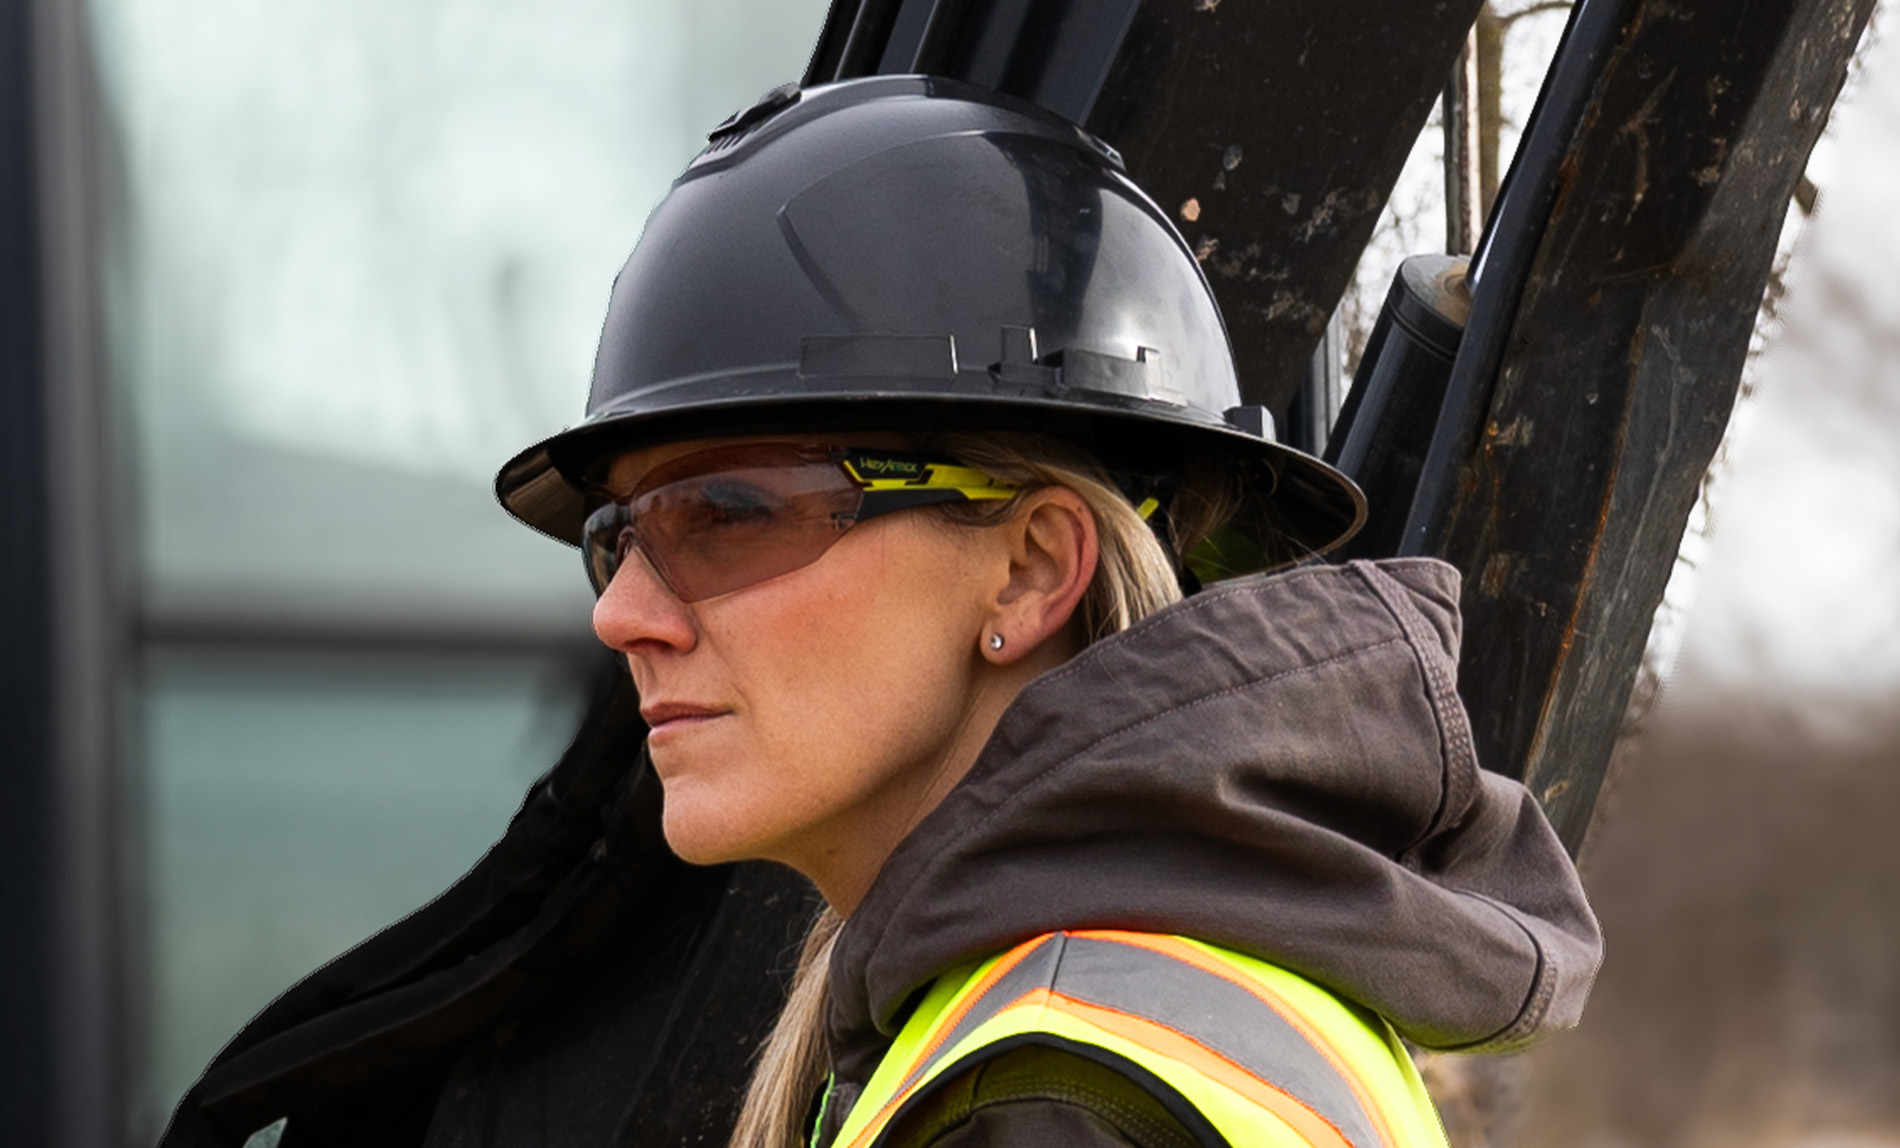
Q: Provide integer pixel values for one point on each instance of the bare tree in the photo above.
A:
(1494, 24)
(1409, 223)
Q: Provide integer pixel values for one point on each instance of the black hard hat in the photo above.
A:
(912, 253)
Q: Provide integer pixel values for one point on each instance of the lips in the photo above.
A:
(668, 716)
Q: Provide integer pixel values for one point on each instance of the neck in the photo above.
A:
(843, 857)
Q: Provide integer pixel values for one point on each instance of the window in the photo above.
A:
(360, 255)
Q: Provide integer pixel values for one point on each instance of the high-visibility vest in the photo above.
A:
(1264, 1056)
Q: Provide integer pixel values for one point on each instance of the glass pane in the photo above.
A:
(361, 257)
(366, 250)
(296, 804)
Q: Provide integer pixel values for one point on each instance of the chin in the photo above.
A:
(699, 840)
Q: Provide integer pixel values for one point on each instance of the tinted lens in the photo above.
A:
(606, 539)
(715, 521)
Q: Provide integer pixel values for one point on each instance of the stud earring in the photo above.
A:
(996, 641)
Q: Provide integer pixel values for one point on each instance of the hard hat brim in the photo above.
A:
(1308, 506)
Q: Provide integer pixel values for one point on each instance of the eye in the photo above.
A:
(731, 503)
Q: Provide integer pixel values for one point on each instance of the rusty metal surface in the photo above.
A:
(1273, 133)
(1618, 351)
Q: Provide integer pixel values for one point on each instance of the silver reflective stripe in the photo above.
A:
(1219, 1015)
(1035, 971)
(1214, 1012)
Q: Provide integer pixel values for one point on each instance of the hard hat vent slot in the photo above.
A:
(925, 358)
(1019, 345)
(739, 124)
(1142, 377)
(1254, 420)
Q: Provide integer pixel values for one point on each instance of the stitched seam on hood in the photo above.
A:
(1459, 755)
(1536, 1003)
(1238, 687)
(1206, 599)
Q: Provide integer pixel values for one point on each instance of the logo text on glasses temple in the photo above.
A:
(863, 466)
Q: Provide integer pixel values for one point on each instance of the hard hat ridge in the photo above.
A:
(914, 253)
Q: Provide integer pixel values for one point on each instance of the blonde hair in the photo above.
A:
(1134, 577)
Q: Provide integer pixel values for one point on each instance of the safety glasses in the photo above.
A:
(722, 519)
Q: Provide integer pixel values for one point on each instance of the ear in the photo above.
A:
(1053, 548)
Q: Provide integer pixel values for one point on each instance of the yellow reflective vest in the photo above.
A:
(1262, 1056)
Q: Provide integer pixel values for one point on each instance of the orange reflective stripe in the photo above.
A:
(942, 1029)
(971, 999)
(1182, 951)
(877, 1123)
(1171, 1005)
(1164, 1041)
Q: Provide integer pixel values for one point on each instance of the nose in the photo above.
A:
(638, 615)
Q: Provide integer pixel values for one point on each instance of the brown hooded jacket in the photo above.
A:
(1279, 765)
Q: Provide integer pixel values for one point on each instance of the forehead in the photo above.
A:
(626, 470)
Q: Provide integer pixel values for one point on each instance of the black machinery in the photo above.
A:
(1540, 416)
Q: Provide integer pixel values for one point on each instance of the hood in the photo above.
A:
(1279, 765)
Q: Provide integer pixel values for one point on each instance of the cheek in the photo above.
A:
(853, 677)
(866, 666)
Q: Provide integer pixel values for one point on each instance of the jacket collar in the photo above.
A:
(1278, 765)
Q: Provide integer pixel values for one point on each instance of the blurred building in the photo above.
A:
(297, 279)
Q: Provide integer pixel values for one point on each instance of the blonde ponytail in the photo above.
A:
(792, 1063)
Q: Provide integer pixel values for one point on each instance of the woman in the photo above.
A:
(912, 421)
